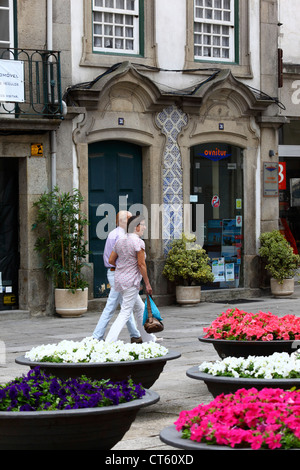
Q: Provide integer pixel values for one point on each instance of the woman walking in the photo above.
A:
(130, 270)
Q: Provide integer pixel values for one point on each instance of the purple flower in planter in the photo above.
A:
(39, 391)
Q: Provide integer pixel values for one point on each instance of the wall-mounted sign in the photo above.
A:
(12, 81)
(37, 150)
(270, 183)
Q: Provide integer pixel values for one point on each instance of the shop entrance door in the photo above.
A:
(115, 169)
(217, 183)
(289, 200)
(9, 233)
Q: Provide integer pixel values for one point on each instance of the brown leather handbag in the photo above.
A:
(152, 324)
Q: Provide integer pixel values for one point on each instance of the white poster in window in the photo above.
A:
(218, 269)
(229, 271)
(12, 81)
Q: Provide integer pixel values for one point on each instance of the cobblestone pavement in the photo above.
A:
(183, 326)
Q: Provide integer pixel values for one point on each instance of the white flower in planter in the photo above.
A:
(90, 350)
(277, 365)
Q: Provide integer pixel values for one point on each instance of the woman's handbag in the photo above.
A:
(152, 324)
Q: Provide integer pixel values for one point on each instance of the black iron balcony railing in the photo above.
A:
(42, 84)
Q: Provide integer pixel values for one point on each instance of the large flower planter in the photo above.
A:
(144, 371)
(82, 429)
(221, 384)
(188, 295)
(172, 437)
(238, 348)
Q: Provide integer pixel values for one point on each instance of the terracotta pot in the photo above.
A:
(82, 429)
(144, 371)
(69, 304)
(286, 288)
(188, 295)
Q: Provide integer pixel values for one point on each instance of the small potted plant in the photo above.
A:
(187, 264)
(281, 262)
(62, 246)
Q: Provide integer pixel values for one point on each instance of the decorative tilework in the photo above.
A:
(171, 121)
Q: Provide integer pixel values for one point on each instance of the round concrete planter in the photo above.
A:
(82, 429)
(188, 295)
(218, 384)
(172, 437)
(226, 348)
(69, 304)
(281, 290)
(144, 371)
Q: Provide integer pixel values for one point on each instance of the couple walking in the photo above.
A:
(124, 257)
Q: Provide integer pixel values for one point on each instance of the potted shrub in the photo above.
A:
(281, 262)
(187, 264)
(63, 248)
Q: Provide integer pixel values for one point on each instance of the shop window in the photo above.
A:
(214, 30)
(217, 184)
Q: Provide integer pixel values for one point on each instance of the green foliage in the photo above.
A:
(61, 237)
(281, 260)
(187, 263)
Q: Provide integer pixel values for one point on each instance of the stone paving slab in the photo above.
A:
(177, 392)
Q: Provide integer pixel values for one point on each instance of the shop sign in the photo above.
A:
(270, 179)
(282, 175)
(214, 154)
(215, 202)
(12, 81)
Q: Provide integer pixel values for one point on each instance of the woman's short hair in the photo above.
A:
(133, 222)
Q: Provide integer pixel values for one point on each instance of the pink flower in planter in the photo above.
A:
(269, 418)
(236, 324)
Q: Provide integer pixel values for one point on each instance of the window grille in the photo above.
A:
(214, 30)
(116, 26)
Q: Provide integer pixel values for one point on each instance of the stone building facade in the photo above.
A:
(165, 120)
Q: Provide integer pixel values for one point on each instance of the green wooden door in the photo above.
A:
(115, 170)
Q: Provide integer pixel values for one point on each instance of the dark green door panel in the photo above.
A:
(115, 169)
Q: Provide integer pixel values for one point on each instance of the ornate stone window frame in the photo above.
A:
(242, 66)
(98, 59)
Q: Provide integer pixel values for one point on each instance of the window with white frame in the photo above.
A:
(6, 23)
(116, 26)
(214, 30)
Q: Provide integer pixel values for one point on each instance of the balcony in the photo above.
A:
(40, 88)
